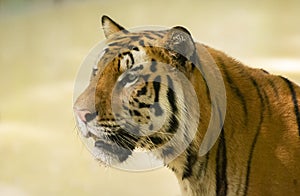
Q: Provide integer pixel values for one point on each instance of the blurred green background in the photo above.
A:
(42, 46)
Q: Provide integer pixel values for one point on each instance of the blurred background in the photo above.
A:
(42, 45)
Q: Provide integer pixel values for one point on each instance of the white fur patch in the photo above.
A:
(138, 56)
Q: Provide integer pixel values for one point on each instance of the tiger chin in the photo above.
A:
(139, 97)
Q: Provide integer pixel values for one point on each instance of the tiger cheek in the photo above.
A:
(103, 97)
(139, 108)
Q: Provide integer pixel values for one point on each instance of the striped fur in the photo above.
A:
(258, 150)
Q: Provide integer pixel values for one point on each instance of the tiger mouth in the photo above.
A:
(114, 149)
(109, 144)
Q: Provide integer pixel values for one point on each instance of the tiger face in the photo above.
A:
(135, 98)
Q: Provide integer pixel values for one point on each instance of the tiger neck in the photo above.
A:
(194, 173)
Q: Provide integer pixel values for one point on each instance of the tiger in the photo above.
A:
(257, 151)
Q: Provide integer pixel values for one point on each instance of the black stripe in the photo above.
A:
(120, 38)
(150, 126)
(221, 165)
(135, 48)
(155, 105)
(135, 38)
(141, 43)
(182, 61)
(157, 33)
(173, 124)
(235, 89)
(155, 140)
(118, 44)
(266, 72)
(295, 101)
(267, 100)
(167, 151)
(136, 68)
(171, 95)
(149, 36)
(153, 66)
(131, 57)
(272, 84)
(114, 44)
(250, 158)
(143, 91)
(156, 86)
(119, 64)
(144, 105)
(130, 112)
(137, 113)
(135, 100)
(190, 162)
(203, 167)
(249, 162)
(170, 82)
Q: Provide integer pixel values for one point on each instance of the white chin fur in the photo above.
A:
(106, 158)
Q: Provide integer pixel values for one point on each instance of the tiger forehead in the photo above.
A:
(126, 42)
(131, 40)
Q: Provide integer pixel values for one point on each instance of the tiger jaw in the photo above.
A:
(107, 147)
(114, 149)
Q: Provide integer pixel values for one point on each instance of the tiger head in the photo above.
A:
(138, 96)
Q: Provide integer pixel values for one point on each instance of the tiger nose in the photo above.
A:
(85, 115)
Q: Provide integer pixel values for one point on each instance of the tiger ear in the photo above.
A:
(110, 27)
(179, 40)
